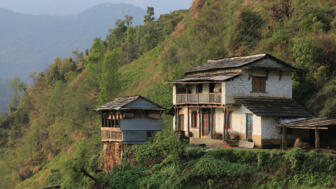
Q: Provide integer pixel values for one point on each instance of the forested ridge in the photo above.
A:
(52, 136)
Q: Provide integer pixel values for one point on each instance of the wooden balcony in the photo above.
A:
(207, 98)
(109, 134)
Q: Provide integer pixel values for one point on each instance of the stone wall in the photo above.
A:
(278, 84)
(113, 152)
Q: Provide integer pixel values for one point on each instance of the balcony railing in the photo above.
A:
(209, 98)
(111, 134)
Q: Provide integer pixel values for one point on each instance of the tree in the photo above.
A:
(128, 20)
(17, 87)
(149, 17)
(109, 82)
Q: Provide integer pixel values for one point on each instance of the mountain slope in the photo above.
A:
(30, 42)
(54, 135)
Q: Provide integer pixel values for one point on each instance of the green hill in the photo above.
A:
(54, 133)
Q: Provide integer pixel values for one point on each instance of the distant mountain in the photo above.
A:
(29, 43)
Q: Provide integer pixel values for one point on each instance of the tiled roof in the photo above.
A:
(234, 62)
(222, 77)
(120, 102)
(311, 122)
(285, 108)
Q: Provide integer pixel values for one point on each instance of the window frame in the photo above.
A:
(194, 122)
(259, 84)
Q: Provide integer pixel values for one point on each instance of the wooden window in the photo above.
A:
(258, 84)
(181, 122)
(199, 88)
(194, 119)
(211, 88)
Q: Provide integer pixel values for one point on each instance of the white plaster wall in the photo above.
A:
(174, 124)
(239, 121)
(241, 86)
(174, 94)
(224, 92)
(269, 129)
(219, 120)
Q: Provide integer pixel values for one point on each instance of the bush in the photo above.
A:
(208, 166)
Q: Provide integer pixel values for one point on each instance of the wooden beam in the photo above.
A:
(320, 128)
(317, 138)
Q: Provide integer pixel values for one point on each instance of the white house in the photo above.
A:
(241, 96)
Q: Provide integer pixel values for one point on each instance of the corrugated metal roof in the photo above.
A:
(311, 122)
(234, 62)
(120, 102)
(274, 107)
(222, 77)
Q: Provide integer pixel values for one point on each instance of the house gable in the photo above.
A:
(269, 64)
(142, 103)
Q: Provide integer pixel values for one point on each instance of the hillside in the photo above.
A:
(29, 43)
(54, 134)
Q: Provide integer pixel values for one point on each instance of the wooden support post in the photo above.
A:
(176, 120)
(284, 138)
(199, 122)
(226, 123)
(317, 138)
(211, 123)
(224, 112)
(188, 123)
(119, 119)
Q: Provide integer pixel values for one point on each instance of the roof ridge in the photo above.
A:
(238, 57)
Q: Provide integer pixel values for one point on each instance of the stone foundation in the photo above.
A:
(112, 155)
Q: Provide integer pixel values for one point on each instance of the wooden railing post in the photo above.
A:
(317, 138)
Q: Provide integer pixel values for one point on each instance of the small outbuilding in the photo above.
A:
(126, 121)
(322, 130)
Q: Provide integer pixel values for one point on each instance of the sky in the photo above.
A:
(65, 7)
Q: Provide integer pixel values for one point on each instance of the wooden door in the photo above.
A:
(181, 122)
(249, 126)
(207, 123)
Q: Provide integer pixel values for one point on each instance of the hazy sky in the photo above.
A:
(64, 7)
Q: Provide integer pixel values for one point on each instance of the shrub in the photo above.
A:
(208, 166)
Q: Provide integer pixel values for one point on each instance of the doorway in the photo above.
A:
(207, 123)
(249, 125)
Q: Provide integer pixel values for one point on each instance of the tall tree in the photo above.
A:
(128, 20)
(109, 83)
(17, 87)
(149, 17)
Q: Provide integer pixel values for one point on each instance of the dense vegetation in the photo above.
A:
(53, 133)
(5, 96)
